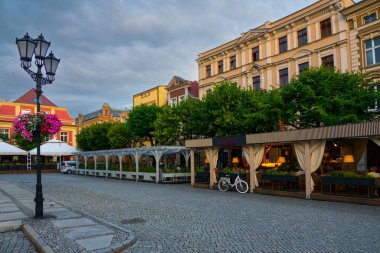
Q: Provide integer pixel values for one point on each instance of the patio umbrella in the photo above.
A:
(8, 149)
(55, 147)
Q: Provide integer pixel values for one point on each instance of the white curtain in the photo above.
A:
(309, 155)
(254, 155)
(212, 157)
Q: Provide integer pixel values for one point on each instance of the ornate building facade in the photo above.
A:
(106, 114)
(363, 20)
(27, 104)
(180, 89)
(269, 55)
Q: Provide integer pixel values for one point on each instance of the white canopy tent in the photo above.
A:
(8, 149)
(55, 147)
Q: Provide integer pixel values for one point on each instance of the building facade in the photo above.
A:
(27, 104)
(180, 89)
(269, 55)
(156, 95)
(363, 19)
(106, 114)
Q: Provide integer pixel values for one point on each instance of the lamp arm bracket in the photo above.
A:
(34, 76)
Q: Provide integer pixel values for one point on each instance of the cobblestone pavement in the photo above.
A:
(16, 241)
(179, 218)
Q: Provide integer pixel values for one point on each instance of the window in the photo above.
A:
(181, 98)
(255, 54)
(372, 51)
(208, 70)
(256, 83)
(174, 101)
(328, 61)
(233, 62)
(370, 18)
(64, 136)
(23, 111)
(325, 28)
(4, 134)
(220, 67)
(302, 67)
(283, 43)
(302, 37)
(284, 77)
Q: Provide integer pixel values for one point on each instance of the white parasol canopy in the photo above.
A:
(8, 149)
(54, 147)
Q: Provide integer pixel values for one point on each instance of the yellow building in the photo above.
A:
(27, 104)
(363, 20)
(106, 114)
(156, 95)
(269, 55)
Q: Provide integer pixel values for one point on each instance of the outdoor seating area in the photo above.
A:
(340, 160)
(164, 164)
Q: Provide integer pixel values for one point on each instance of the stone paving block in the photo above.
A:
(12, 216)
(62, 214)
(86, 232)
(12, 225)
(8, 209)
(65, 223)
(95, 243)
(55, 209)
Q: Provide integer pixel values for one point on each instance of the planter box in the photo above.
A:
(202, 176)
(279, 178)
(348, 181)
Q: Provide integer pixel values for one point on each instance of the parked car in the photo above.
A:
(68, 167)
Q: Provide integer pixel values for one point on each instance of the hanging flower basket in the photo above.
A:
(26, 125)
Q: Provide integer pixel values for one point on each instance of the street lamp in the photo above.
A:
(39, 47)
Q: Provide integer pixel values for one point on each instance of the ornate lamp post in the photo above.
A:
(28, 47)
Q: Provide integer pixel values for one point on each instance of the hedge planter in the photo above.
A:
(348, 181)
(279, 178)
(202, 177)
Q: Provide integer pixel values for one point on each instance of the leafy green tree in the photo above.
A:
(141, 120)
(323, 97)
(266, 113)
(120, 136)
(168, 126)
(226, 110)
(94, 137)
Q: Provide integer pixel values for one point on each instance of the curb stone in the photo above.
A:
(39, 243)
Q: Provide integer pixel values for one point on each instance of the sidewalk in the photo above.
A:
(61, 229)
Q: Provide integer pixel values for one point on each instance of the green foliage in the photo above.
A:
(120, 136)
(141, 120)
(348, 174)
(324, 97)
(4, 137)
(94, 137)
(167, 126)
(279, 173)
(24, 143)
(147, 169)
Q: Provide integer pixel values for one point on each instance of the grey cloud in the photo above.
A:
(113, 49)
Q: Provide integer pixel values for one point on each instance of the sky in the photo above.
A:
(113, 49)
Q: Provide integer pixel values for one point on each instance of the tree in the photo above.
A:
(324, 96)
(120, 136)
(168, 126)
(226, 109)
(141, 120)
(94, 137)
(267, 111)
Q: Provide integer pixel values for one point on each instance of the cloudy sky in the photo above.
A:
(112, 49)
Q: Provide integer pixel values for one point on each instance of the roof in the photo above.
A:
(30, 98)
(95, 114)
(359, 130)
(8, 149)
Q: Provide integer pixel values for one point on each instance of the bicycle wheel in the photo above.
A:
(242, 186)
(223, 185)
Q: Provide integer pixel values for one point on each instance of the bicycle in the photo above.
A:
(225, 183)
